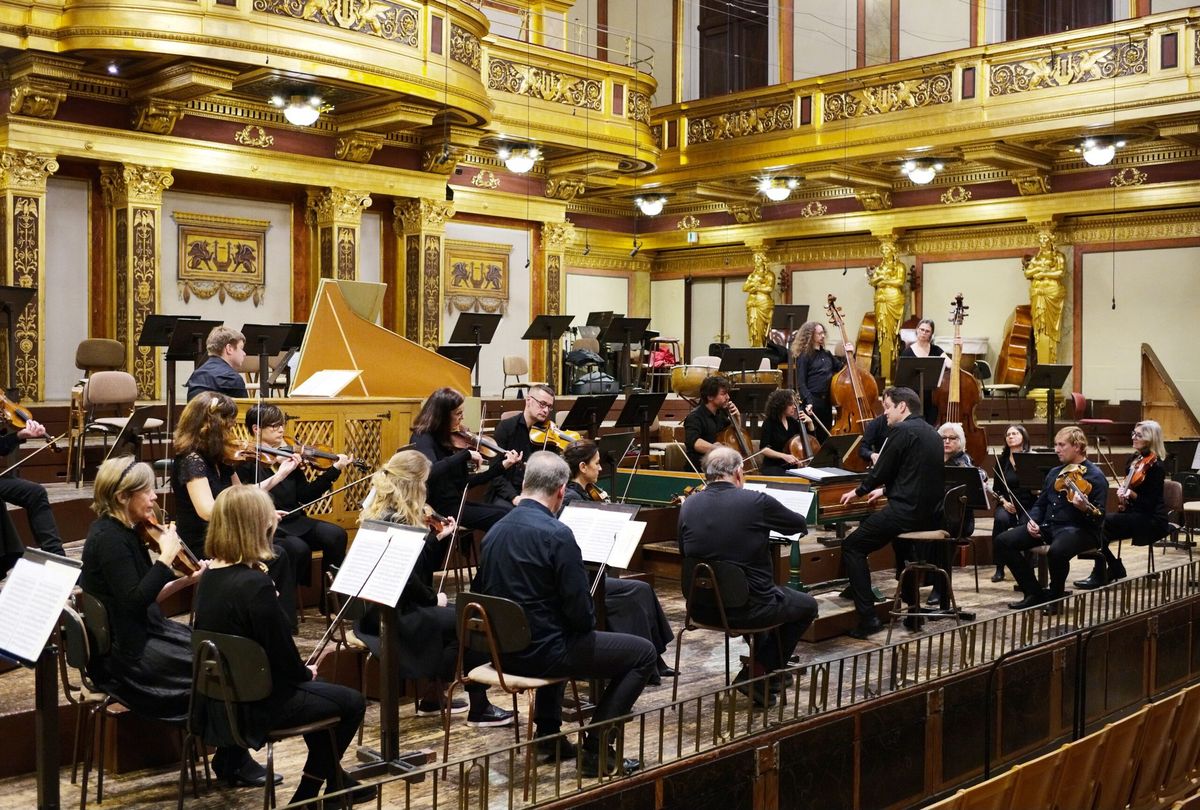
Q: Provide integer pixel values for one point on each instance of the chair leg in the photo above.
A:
(339, 782)
(79, 712)
(183, 764)
(446, 719)
(897, 597)
(678, 650)
(529, 744)
(100, 762)
(269, 788)
(89, 744)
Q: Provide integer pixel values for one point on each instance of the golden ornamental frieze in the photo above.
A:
(744, 213)
(740, 124)
(485, 178)
(637, 107)
(1132, 227)
(26, 170)
(546, 85)
(157, 117)
(1129, 176)
(254, 135)
(565, 188)
(955, 195)
(558, 235)
(688, 223)
(465, 47)
(814, 209)
(907, 94)
(1070, 67)
(377, 18)
(358, 147)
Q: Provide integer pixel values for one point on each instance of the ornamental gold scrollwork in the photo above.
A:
(814, 209)
(1031, 182)
(744, 213)
(908, 94)
(547, 85)
(637, 107)
(688, 223)
(1071, 67)
(558, 235)
(740, 124)
(358, 147)
(485, 178)
(954, 195)
(26, 255)
(130, 183)
(157, 117)
(874, 200)
(656, 133)
(431, 289)
(346, 254)
(464, 47)
(564, 188)
(422, 215)
(26, 170)
(338, 204)
(36, 99)
(144, 281)
(254, 135)
(378, 18)
(554, 287)
(1129, 176)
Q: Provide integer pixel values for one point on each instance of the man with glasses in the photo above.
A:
(513, 434)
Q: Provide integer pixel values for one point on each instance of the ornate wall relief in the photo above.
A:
(477, 277)
(925, 91)
(221, 256)
(378, 18)
(546, 85)
(740, 124)
(1070, 67)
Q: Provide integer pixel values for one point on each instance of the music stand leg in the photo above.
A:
(1050, 417)
(46, 729)
(550, 365)
(475, 389)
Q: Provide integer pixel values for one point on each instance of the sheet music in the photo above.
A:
(799, 501)
(326, 383)
(604, 535)
(31, 603)
(379, 563)
(818, 473)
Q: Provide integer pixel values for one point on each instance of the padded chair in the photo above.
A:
(1181, 771)
(955, 514)
(1034, 781)
(724, 585)
(91, 355)
(1113, 772)
(116, 390)
(279, 376)
(1080, 759)
(514, 365)
(1154, 753)
(232, 670)
(496, 626)
(1079, 408)
(1173, 501)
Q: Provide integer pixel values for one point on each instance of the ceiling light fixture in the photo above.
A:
(921, 172)
(651, 205)
(777, 189)
(301, 111)
(113, 69)
(518, 157)
(1099, 151)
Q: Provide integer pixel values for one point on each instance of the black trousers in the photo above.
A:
(625, 661)
(632, 607)
(1139, 529)
(317, 700)
(875, 532)
(1065, 543)
(320, 535)
(823, 410)
(795, 612)
(33, 499)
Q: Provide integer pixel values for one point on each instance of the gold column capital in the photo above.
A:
(558, 235)
(130, 184)
(329, 205)
(416, 215)
(26, 171)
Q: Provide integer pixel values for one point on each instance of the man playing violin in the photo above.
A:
(290, 489)
(1068, 516)
(706, 421)
(513, 434)
(32, 497)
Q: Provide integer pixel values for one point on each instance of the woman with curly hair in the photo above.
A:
(781, 422)
(815, 369)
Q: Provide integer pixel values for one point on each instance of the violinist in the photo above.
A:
(1142, 514)
(29, 495)
(924, 346)
(513, 434)
(630, 605)
(782, 422)
(1065, 516)
(706, 421)
(424, 622)
(435, 432)
(1014, 501)
(815, 369)
(206, 456)
(290, 489)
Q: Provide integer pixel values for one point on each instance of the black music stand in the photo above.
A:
(186, 343)
(613, 448)
(626, 331)
(787, 318)
(467, 356)
(588, 412)
(1032, 469)
(478, 328)
(741, 360)
(1180, 455)
(751, 399)
(13, 301)
(600, 318)
(265, 340)
(548, 328)
(921, 374)
(640, 410)
(834, 450)
(1050, 376)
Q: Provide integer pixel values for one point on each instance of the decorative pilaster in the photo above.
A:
(335, 215)
(23, 239)
(421, 226)
(133, 199)
(546, 291)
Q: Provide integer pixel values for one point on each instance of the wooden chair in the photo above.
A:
(1113, 772)
(1182, 770)
(497, 627)
(1034, 781)
(514, 365)
(994, 794)
(1154, 753)
(1081, 759)
(116, 390)
(1173, 501)
(722, 585)
(232, 670)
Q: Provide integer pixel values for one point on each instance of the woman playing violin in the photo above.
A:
(290, 489)
(27, 494)
(815, 370)
(630, 605)
(1142, 515)
(513, 434)
(433, 434)
(782, 421)
(205, 462)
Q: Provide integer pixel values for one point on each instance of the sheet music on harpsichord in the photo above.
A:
(379, 561)
(605, 532)
(33, 598)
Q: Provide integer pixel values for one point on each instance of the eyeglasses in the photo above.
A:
(949, 438)
(541, 403)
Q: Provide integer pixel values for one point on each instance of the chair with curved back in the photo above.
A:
(116, 391)
(91, 355)
(514, 365)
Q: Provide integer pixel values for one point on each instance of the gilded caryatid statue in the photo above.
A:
(1046, 272)
(888, 279)
(760, 300)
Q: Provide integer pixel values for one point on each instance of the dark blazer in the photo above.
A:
(511, 434)
(291, 492)
(214, 374)
(449, 476)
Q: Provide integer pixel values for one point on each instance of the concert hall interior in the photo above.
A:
(370, 256)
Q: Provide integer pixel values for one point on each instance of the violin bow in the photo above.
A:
(999, 466)
(49, 443)
(328, 494)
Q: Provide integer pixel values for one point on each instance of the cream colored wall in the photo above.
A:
(666, 309)
(503, 23)
(65, 283)
(1112, 338)
(516, 318)
(991, 289)
(735, 313)
(370, 246)
(823, 37)
(707, 314)
(1157, 6)
(854, 296)
(595, 294)
(652, 25)
(933, 26)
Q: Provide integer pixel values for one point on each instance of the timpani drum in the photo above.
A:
(686, 380)
(771, 376)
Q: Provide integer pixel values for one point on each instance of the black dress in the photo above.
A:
(776, 436)
(150, 665)
(1009, 488)
(449, 478)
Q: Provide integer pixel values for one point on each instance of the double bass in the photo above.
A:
(1014, 360)
(853, 391)
(959, 391)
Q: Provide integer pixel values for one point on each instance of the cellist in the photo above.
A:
(714, 414)
(782, 422)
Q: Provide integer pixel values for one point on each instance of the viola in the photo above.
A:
(550, 433)
(1070, 479)
(596, 494)
(319, 455)
(1137, 474)
(680, 497)
(463, 439)
(856, 394)
(151, 531)
(959, 391)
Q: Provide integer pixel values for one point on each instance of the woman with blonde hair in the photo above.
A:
(424, 622)
(237, 597)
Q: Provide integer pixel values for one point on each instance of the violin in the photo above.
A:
(463, 439)
(317, 455)
(20, 417)
(433, 521)
(151, 531)
(596, 494)
(549, 433)
(680, 497)
(1137, 474)
(1070, 479)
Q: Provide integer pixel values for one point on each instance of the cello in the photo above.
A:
(958, 393)
(1013, 362)
(855, 393)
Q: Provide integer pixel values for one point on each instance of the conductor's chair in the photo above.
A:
(514, 365)
(117, 392)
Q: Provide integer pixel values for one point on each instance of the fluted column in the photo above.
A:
(421, 226)
(335, 216)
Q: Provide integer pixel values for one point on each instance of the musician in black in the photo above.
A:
(815, 369)
(728, 523)
(513, 434)
(706, 421)
(30, 495)
(1143, 514)
(1015, 500)
(1063, 517)
(910, 469)
(782, 422)
(875, 433)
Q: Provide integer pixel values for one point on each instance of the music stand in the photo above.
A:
(971, 481)
(463, 355)
(921, 374)
(834, 450)
(613, 447)
(13, 301)
(741, 360)
(621, 329)
(548, 328)
(478, 328)
(1050, 376)
(751, 399)
(588, 412)
(640, 410)
(1181, 453)
(265, 340)
(787, 318)
(186, 343)
(291, 345)
(600, 319)
(1032, 469)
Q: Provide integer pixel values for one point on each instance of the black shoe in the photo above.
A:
(251, 774)
(935, 598)
(491, 716)
(1053, 608)
(433, 708)
(665, 670)
(998, 576)
(591, 766)
(1030, 601)
(559, 748)
(1116, 570)
(913, 623)
(759, 692)
(1091, 583)
(866, 628)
